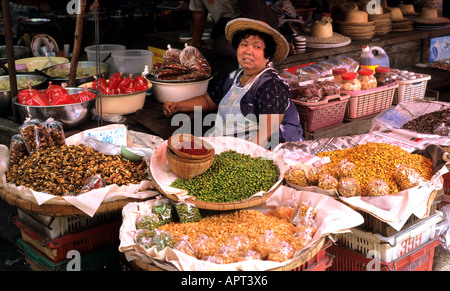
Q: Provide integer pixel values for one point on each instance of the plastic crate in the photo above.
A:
(375, 225)
(393, 247)
(53, 227)
(420, 259)
(102, 260)
(367, 102)
(408, 90)
(330, 111)
(320, 262)
(86, 241)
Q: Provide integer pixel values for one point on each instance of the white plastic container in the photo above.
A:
(178, 91)
(395, 246)
(105, 50)
(131, 61)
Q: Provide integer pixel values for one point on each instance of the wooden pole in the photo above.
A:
(77, 44)
(10, 53)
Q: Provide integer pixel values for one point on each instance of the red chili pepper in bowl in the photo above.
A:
(115, 80)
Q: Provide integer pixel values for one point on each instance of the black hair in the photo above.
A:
(269, 42)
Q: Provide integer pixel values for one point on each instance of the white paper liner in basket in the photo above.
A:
(164, 176)
(332, 217)
(90, 201)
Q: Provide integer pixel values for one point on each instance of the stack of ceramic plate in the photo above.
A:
(383, 23)
(356, 30)
(300, 44)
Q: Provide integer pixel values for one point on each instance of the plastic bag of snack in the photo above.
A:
(187, 212)
(226, 255)
(285, 209)
(327, 182)
(377, 187)
(192, 59)
(330, 87)
(303, 236)
(56, 131)
(163, 239)
(310, 92)
(344, 169)
(296, 176)
(238, 243)
(442, 130)
(407, 177)
(35, 135)
(266, 243)
(144, 237)
(303, 215)
(248, 255)
(317, 169)
(171, 56)
(17, 149)
(93, 182)
(148, 220)
(164, 209)
(349, 187)
(282, 253)
(204, 246)
(185, 246)
(213, 259)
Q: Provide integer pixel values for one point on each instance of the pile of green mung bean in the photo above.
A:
(232, 177)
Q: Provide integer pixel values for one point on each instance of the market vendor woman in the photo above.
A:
(253, 102)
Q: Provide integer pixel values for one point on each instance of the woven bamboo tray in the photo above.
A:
(15, 200)
(299, 260)
(246, 203)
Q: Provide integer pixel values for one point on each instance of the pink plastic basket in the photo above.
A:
(367, 102)
(322, 114)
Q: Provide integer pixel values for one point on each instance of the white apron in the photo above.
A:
(229, 120)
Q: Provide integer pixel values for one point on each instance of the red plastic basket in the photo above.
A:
(320, 262)
(330, 111)
(86, 241)
(419, 259)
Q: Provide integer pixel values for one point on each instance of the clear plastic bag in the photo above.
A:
(266, 243)
(327, 182)
(248, 255)
(377, 187)
(315, 172)
(56, 131)
(296, 176)
(282, 253)
(226, 255)
(185, 246)
(442, 130)
(192, 59)
(35, 135)
(330, 87)
(17, 149)
(187, 212)
(303, 215)
(238, 243)
(407, 177)
(147, 220)
(204, 246)
(345, 169)
(163, 239)
(285, 209)
(93, 182)
(303, 236)
(349, 187)
(144, 237)
(164, 209)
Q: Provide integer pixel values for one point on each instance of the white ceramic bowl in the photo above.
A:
(172, 91)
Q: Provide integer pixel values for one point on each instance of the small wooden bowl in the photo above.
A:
(176, 141)
(188, 168)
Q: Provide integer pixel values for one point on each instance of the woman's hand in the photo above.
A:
(169, 109)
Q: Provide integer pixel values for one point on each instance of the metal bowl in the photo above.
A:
(5, 95)
(105, 69)
(70, 115)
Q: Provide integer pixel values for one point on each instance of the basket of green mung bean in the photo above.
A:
(241, 176)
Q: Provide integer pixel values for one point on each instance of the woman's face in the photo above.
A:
(250, 54)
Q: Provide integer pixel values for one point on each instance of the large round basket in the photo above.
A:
(188, 168)
(16, 200)
(177, 141)
(299, 260)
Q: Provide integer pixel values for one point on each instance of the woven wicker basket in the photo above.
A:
(188, 168)
(176, 141)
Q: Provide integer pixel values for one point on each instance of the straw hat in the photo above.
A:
(322, 32)
(430, 16)
(407, 9)
(396, 14)
(240, 24)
